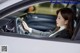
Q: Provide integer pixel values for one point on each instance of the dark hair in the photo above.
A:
(27, 10)
(69, 15)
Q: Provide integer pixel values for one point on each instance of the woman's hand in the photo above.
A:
(25, 26)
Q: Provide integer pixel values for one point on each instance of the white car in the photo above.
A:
(13, 39)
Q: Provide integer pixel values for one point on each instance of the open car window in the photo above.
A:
(15, 39)
(43, 18)
(43, 15)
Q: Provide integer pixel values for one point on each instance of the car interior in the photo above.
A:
(43, 20)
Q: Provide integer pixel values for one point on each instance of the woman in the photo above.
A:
(64, 23)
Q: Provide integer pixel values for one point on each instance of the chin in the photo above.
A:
(57, 25)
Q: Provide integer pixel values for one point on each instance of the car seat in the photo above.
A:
(41, 22)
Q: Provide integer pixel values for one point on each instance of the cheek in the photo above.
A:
(57, 20)
(60, 23)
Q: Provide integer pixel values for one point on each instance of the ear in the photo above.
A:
(66, 21)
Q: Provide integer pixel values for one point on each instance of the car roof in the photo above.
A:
(7, 3)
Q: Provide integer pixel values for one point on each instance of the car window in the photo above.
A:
(49, 8)
(42, 18)
(47, 4)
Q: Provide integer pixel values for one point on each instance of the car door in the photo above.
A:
(20, 43)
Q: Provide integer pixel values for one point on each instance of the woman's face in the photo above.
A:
(60, 21)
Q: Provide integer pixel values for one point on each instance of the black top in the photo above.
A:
(63, 34)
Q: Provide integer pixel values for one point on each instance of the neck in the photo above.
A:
(62, 28)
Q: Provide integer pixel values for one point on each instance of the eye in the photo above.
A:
(59, 18)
